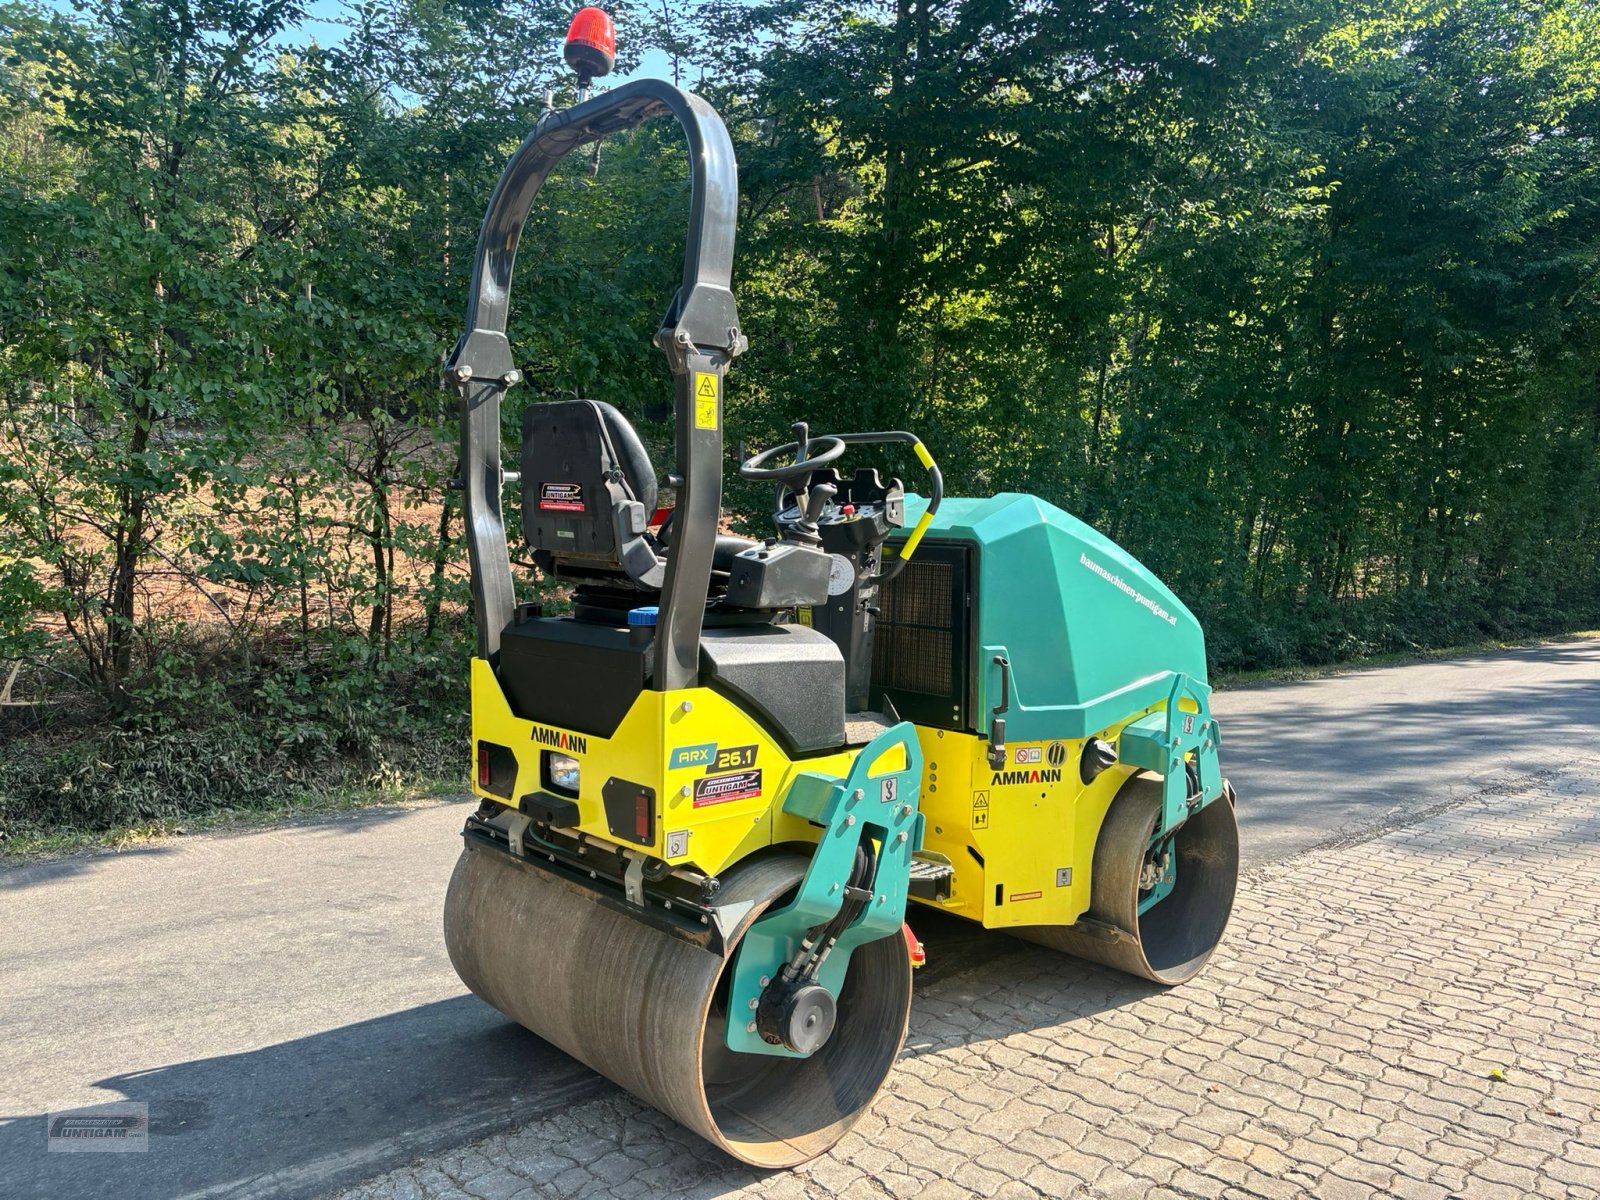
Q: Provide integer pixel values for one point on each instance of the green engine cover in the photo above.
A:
(1089, 633)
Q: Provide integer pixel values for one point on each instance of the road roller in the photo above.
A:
(716, 776)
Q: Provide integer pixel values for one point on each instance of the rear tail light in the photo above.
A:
(497, 769)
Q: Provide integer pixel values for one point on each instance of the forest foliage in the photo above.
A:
(1299, 300)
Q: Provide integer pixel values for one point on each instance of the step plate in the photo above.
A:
(930, 880)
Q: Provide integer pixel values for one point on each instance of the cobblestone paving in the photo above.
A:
(1415, 1016)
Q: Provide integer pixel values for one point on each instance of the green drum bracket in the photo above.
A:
(881, 805)
(1163, 741)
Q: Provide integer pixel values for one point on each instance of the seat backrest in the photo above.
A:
(588, 492)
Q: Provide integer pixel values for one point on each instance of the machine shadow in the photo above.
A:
(973, 976)
(307, 1116)
(302, 1117)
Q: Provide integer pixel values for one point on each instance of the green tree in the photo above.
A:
(138, 305)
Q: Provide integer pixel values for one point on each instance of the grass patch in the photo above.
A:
(208, 735)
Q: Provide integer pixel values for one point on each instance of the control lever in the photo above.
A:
(802, 439)
(802, 436)
(816, 503)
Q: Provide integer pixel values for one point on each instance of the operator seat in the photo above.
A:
(588, 494)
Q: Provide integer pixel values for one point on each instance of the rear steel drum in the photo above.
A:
(648, 1010)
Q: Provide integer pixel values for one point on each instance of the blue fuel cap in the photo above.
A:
(647, 615)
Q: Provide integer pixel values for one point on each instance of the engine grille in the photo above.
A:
(920, 638)
(911, 651)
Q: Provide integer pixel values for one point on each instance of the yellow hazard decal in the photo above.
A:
(705, 400)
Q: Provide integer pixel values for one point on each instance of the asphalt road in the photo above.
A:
(282, 1000)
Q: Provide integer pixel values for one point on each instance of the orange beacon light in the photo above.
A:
(591, 48)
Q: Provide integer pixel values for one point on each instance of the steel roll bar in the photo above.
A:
(699, 335)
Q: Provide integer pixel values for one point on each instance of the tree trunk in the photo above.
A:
(441, 559)
(379, 537)
(128, 549)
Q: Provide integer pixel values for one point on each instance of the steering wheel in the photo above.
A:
(756, 468)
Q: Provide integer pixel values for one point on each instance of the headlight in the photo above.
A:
(562, 772)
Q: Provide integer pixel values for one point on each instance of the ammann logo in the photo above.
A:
(1001, 778)
(558, 740)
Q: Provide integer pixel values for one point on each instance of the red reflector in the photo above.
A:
(914, 948)
(483, 767)
(641, 816)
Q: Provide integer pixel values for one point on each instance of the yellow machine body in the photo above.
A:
(695, 728)
(1020, 840)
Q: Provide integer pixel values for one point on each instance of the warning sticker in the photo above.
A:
(705, 400)
(980, 810)
(719, 789)
(1030, 754)
(561, 497)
